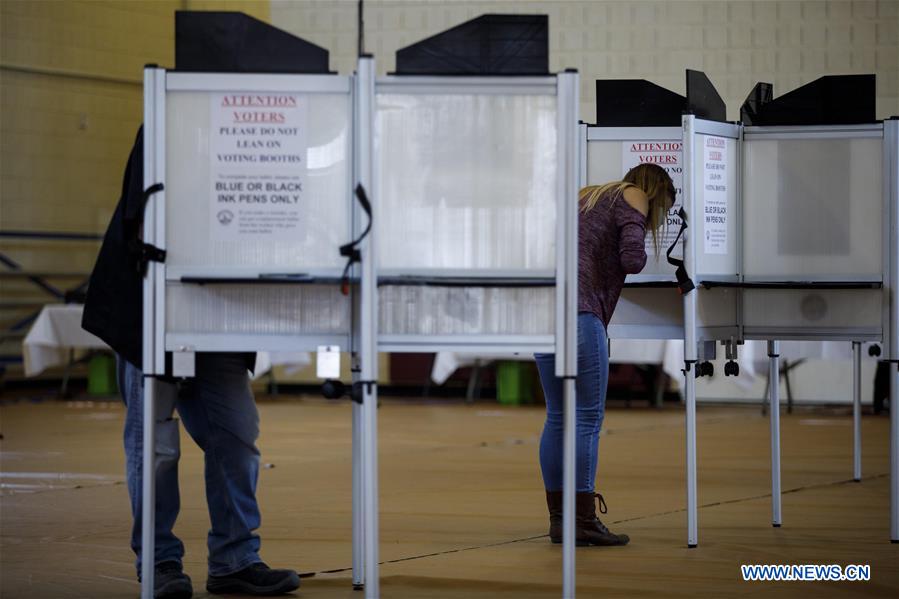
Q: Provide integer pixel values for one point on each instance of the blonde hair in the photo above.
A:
(653, 180)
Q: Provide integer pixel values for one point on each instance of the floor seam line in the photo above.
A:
(644, 517)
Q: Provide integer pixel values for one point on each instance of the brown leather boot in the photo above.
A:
(554, 504)
(589, 530)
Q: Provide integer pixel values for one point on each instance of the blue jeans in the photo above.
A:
(219, 413)
(591, 383)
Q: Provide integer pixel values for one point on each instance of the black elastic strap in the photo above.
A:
(350, 250)
(684, 284)
(132, 225)
(155, 188)
(142, 253)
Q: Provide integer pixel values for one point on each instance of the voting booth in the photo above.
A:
(820, 259)
(790, 233)
(250, 180)
(639, 122)
(798, 221)
(476, 202)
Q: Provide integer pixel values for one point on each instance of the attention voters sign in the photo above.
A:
(257, 153)
(714, 182)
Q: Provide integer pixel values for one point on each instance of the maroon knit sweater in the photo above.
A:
(610, 246)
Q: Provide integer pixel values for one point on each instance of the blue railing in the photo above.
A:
(39, 280)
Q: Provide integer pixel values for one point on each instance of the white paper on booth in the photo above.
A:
(327, 364)
(715, 194)
(257, 153)
(668, 154)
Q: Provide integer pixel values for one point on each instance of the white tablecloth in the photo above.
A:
(837, 351)
(55, 332)
(294, 361)
(753, 356)
(669, 354)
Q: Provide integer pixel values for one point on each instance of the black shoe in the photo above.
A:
(255, 579)
(170, 582)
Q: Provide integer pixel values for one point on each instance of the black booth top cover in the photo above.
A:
(487, 45)
(640, 103)
(828, 100)
(209, 41)
(637, 103)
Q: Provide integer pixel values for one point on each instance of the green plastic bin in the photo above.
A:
(514, 383)
(101, 375)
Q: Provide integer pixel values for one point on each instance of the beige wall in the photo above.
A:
(70, 74)
(70, 104)
(737, 43)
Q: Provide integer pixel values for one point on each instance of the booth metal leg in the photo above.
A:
(774, 391)
(568, 493)
(148, 490)
(856, 411)
(894, 452)
(370, 490)
(690, 395)
(358, 504)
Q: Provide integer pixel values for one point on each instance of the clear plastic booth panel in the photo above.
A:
(258, 185)
(466, 172)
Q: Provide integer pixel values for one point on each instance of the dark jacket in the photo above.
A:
(113, 309)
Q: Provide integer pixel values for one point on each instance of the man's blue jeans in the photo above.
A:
(219, 413)
(592, 381)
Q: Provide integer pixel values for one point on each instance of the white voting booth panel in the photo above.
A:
(647, 313)
(475, 233)
(256, 309)
(814, 213)
(259, 172)
(714, 213)
(834, 314)
(467, 181)
(424, 310)
(322, 122)
(717, 313)
(813, 204)
(256, 174)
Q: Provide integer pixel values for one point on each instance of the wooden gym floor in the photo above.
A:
(462, 505)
